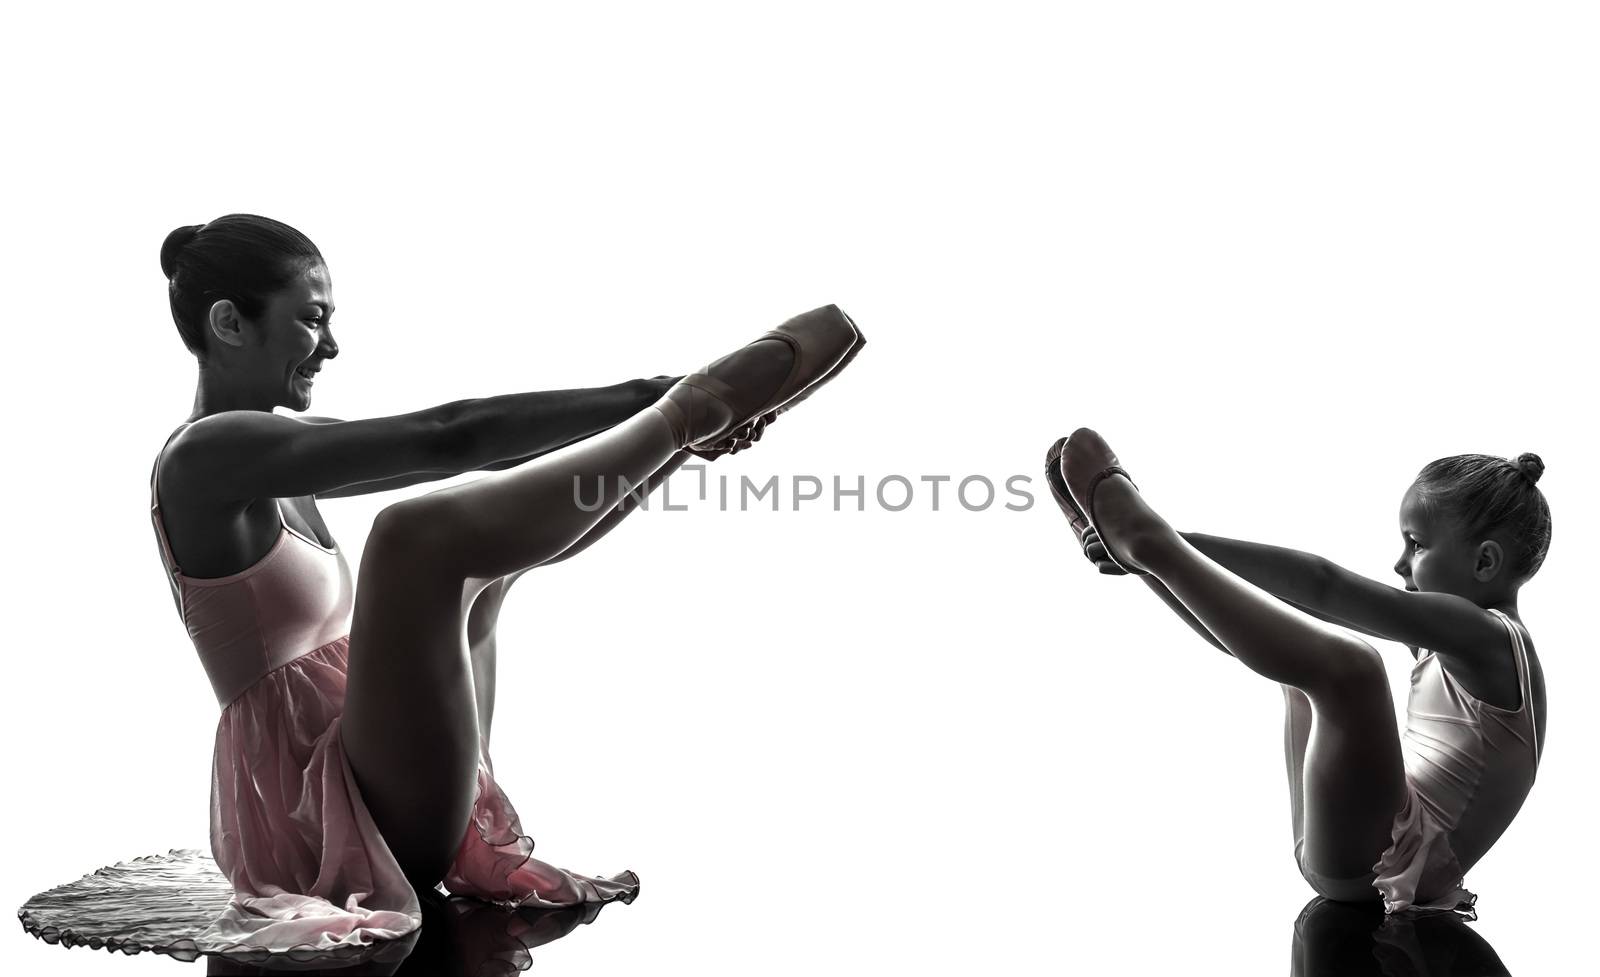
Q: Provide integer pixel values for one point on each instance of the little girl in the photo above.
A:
(1376, 813)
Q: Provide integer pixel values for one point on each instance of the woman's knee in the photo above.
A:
(414, 532)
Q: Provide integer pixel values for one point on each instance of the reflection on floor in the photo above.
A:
(459, 938)
(1338, 939)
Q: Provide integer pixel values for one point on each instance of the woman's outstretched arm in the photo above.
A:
(255, 454)
(414, 478)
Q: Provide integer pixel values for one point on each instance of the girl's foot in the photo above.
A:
(1127, 526)
(1088, 539)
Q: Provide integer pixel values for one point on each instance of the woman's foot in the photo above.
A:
(1128, 528)
(782, 367)
(702, 416)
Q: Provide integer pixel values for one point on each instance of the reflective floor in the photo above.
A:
(1334, 939)
(471, 939)
(458, 937)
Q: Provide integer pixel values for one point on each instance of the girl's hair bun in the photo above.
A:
(1530, 465)
(174, 243)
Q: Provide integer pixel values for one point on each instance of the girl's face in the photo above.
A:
(1434, 556)
(295, 337)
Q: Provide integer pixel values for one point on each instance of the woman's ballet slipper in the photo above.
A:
(850, 354)
(1081, 528)
(737, 441)
(1081, 485)
(818, 342)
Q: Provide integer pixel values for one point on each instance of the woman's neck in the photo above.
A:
(217, 390)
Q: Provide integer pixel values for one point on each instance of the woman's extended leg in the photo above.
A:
(484, 617)
(1353, 776)
(410, 727)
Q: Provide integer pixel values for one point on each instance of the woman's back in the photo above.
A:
(295, 598)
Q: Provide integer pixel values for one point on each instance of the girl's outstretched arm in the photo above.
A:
(1445, 623)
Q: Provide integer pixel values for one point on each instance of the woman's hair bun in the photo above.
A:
(1530, 465)
(173, 244)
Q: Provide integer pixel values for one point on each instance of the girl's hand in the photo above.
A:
(1095, 550)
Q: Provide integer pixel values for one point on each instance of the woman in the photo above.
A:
(351, 761)
(1375, 815)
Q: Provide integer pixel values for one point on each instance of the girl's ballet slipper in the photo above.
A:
(1079, 522)
(1080, 488)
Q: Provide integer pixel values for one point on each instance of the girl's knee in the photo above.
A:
(1352, 671)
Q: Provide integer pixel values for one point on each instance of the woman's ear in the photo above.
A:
(1491, 559)
(225, 323)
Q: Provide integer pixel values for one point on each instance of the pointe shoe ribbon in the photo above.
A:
(1082, 495)
(1088, 538)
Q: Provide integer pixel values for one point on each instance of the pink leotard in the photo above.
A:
(1469, 767)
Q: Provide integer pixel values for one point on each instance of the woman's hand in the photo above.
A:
(736, 440)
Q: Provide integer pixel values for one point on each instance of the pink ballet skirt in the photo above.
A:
(1419, 871)
(309, 868)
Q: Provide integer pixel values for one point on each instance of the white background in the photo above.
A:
(1280, 257)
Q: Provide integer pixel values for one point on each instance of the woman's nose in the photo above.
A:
(329, 348)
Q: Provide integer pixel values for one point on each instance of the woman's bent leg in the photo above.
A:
(410, 724)
(484, 617)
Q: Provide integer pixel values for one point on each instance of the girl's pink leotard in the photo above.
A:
(1469, 767)
(288, 825)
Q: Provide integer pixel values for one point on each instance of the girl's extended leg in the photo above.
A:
(1297, 711)
(1353, 776)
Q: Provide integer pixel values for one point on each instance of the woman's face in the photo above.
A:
(1434, 556)
(296, 337)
